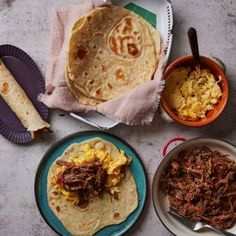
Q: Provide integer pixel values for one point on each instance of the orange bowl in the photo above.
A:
(206, 63)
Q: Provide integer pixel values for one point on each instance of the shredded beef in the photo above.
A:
(86, 179)
(200, 183)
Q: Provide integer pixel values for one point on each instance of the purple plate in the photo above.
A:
(27, 74)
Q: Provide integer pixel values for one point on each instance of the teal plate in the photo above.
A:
(40, 186)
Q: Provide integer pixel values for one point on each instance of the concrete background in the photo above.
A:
(25, 23)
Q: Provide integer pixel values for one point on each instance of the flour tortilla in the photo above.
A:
(101, 211)
(111, 51)
(78, 23)
(18, 101)
(83, 99)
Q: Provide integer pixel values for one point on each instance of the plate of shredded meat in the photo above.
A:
(198, 178)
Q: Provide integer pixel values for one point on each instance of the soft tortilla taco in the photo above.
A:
(16, 98)
(90, 186)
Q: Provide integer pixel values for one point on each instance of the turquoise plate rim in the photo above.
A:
(144, 189)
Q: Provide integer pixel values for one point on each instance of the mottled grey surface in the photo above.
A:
(25, 23)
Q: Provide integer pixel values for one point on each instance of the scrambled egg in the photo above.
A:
(111, 165)
(191, 94)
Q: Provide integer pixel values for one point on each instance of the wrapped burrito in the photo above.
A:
(20, 104)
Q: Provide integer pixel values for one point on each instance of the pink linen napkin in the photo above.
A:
(136, 107)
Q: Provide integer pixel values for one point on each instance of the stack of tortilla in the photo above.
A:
(111, 51)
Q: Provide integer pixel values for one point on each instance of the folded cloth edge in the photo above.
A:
(157, 77)
(141, 118)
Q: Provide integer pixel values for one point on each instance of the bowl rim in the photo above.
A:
(158, 169)
(224, 101)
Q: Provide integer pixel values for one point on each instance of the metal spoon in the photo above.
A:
(196, 226)
(192, 36)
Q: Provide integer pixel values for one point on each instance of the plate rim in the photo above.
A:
(154, 177)
(80, 134)
(16, 52)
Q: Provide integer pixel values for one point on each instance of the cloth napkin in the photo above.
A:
(136, 107)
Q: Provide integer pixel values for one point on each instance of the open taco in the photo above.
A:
(90, 186)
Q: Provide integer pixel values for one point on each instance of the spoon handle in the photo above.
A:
(221, 231)
(192, 36)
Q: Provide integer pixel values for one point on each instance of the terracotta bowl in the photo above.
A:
(206, 63)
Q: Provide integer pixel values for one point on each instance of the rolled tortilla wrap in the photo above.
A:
(18, 101)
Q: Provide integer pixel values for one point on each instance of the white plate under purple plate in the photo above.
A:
(27, 74)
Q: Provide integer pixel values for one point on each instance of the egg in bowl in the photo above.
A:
(216, 109)
(191, 93)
